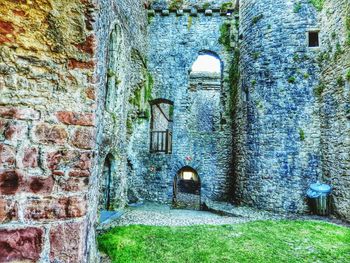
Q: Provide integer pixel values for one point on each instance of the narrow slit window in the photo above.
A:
(314, 40)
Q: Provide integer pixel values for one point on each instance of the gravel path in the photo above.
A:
(162, 215)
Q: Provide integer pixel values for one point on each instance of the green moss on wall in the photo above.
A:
(227, 5)
(291, 80)
(234, 81)
(347, 26)
(225, 36)
(257, 18)
(318, 4)
(256, 55)
(297, 7)
(148, 87)
(176, 4)
(318, 91)
(340, 81)
(206, 5)
(189, 22)
(301, 134)
(347, 76)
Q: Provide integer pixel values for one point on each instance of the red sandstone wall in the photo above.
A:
(47, 128)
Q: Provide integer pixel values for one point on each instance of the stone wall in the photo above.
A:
(52, 83)
(279, 152)
(333, 94)
(202, 120)
(72, 92)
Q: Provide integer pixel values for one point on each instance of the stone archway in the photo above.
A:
(187, 189)
(106, 183)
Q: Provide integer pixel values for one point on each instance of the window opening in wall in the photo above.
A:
(205, 73)
(161, 126)
(206, 64)
(314, 39)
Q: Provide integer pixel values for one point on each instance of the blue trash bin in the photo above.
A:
(318, 195)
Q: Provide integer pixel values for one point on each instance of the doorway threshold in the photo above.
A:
(108, 216)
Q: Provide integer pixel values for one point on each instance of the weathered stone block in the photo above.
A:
(10, 181)
(7, 29)
(88, 45)
(16, 131)
(63, 159)
(57, 173)
(165, 13)
(83, 138)
(47, 133)
(84, 161)
(21, 245)
(79, 173)
(39, 185)
(7, 156)
(67, 242)
(53, 209)
(73, 184)
(74, 118)
(8, 210)
(208, 12)
(90, 93)
(17, 113)
(53, 159)
(3, 124)
(30, 158)
(75, 64)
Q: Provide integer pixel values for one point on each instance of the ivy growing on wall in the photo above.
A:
(225, 36)
(234, 80)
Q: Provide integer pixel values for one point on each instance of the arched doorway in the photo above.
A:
(187, 189)
(106, 183)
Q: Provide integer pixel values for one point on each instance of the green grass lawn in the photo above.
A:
(262, 241)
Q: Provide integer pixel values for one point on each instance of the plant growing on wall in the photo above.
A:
(206, 5)
(301, 134)
(347, 26)
(176, 4)
(297, 7)
(257, 18)
(225, 6)
(318, 4)
(291, 79)
(225, 36)
(347, 76)
(318, 91)
(189, 22)
(340, 81)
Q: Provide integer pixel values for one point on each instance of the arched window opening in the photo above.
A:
(205, 73)
(206, 63)
(161, 126)
(113, 78)
(187, 186)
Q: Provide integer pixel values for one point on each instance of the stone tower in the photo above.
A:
(281, 147)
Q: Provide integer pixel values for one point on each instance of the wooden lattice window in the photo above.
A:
(161, 126)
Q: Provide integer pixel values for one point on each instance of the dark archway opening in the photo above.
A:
(106, 202)
(187, 189)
